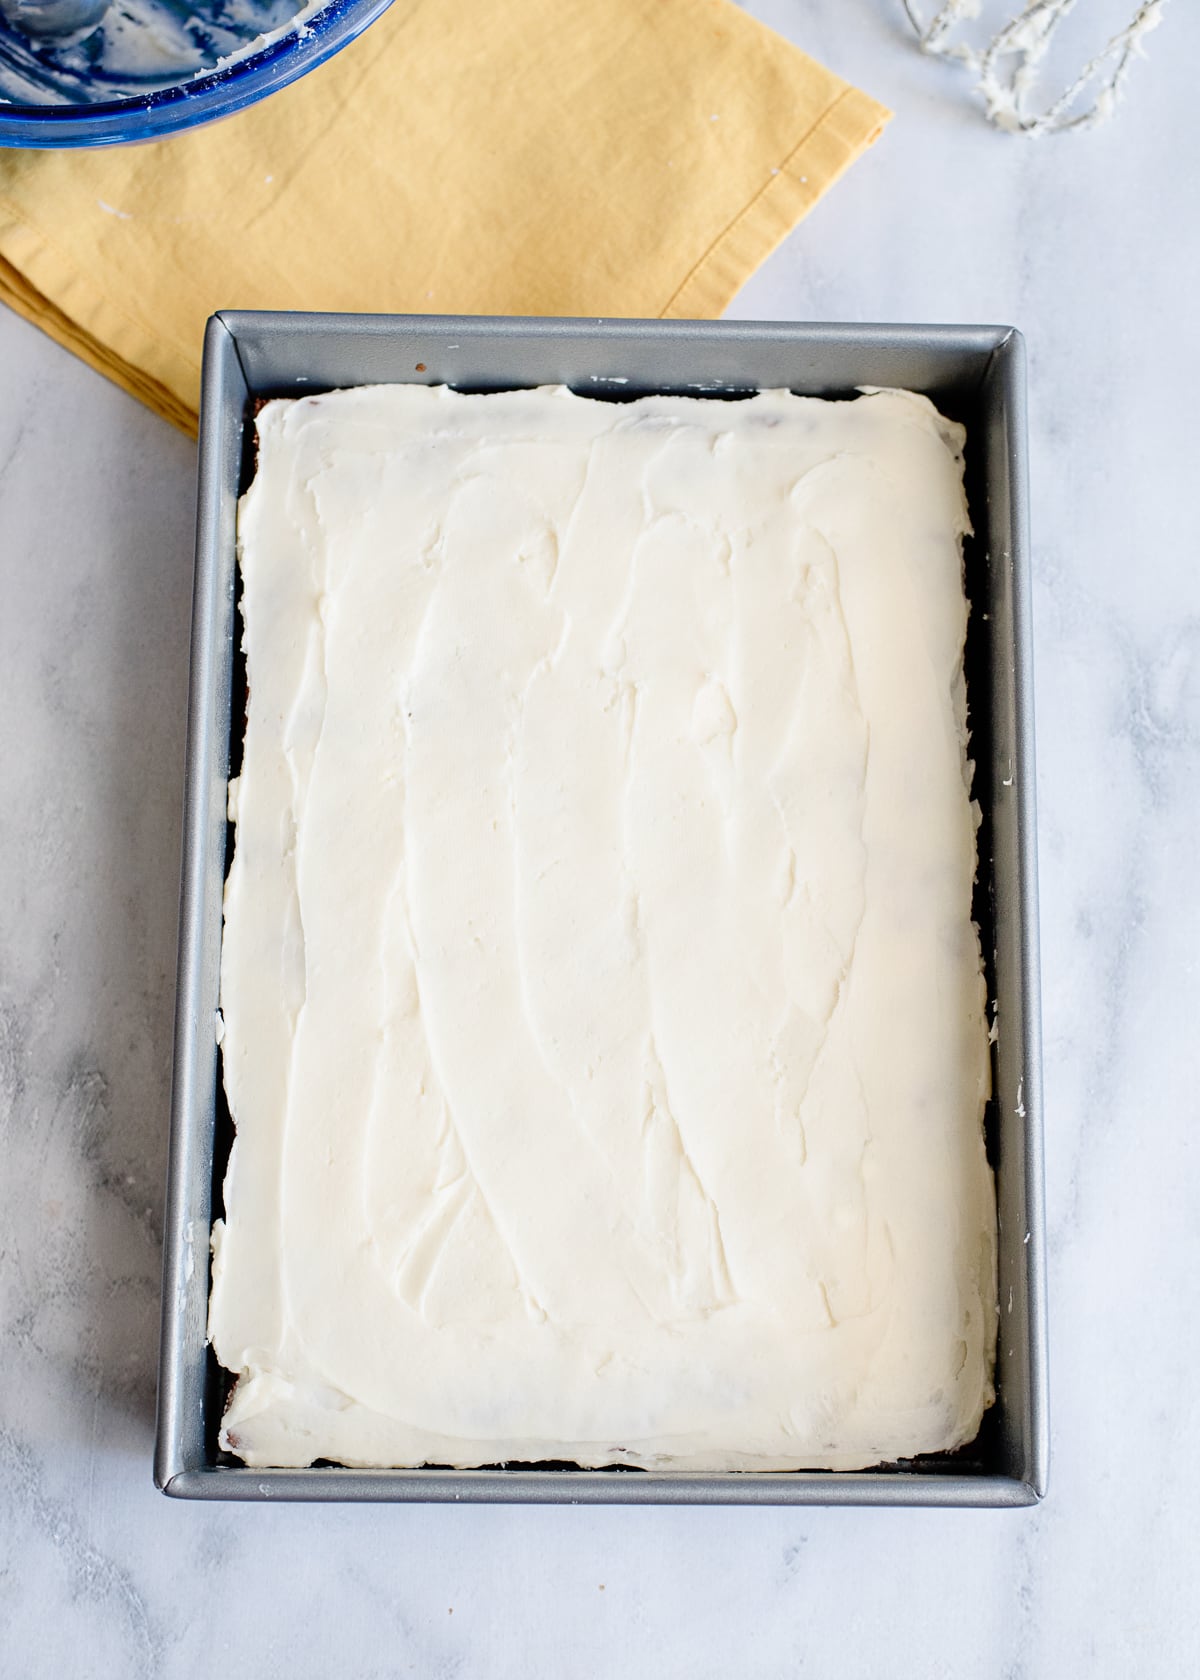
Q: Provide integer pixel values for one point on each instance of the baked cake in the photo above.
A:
(603, 1017)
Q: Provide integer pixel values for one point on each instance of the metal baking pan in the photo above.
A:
(975, 374)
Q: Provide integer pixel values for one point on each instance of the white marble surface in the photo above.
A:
(1091, 246)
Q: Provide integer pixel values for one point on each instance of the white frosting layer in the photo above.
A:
(603, 1016)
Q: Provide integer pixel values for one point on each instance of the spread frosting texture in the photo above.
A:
(603, 1018)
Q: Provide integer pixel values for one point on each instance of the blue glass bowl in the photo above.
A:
(149, 68)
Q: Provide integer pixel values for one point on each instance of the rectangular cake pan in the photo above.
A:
(975, 374)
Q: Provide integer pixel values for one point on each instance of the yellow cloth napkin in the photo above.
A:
(544, 157)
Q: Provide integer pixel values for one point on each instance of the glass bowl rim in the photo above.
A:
(217, 92)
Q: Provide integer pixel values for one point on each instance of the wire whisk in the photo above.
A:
(1006, 69)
